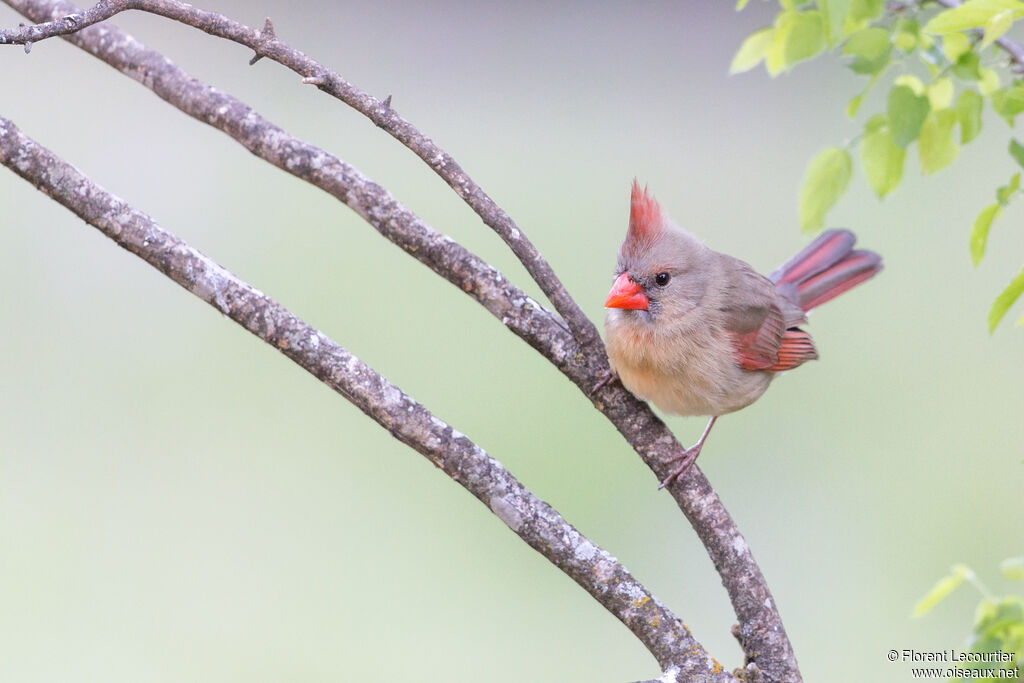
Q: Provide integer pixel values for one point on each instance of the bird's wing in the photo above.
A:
(763, 335)
(756, 332)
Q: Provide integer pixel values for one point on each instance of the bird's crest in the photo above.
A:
(646, 223)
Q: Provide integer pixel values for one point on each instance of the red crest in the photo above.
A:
(645, 219)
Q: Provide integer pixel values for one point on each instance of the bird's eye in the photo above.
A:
(661, 279)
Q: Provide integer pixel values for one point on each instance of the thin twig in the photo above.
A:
(265, 44)
(760, 627)
(530, 518)
(1013, 49)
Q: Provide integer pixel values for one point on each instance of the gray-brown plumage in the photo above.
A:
(697, 332)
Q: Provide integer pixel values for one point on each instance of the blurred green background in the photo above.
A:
(178, 501)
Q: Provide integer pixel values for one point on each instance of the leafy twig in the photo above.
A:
(1012, 48)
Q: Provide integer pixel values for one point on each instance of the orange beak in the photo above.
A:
(626, 294)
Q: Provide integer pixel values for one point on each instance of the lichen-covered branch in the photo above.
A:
(760, 628)
(530, 518)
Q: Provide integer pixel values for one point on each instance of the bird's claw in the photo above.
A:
(685, 460)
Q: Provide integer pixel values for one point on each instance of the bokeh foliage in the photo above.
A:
(941, 62)
(998, 621)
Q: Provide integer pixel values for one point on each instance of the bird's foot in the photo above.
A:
(685, 459)
(606, 379)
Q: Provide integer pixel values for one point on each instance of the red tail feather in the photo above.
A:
(830, 246)
(825, 268)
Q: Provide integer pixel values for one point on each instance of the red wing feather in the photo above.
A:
(796, 349)
(771, 347)
(757, 348)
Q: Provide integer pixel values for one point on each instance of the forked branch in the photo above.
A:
(530, 518)
(580, 356)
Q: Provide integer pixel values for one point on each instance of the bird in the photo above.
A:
(698, 332)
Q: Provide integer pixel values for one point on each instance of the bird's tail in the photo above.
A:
(825, 268)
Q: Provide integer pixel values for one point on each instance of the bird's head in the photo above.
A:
(661, 269)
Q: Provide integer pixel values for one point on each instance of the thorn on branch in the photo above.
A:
(315, 80)
(266, 35)
(28, 46)
(387, 102)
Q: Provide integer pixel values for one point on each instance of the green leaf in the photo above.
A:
(883, 160)
(1013, 568)
(936, 145)
(984, 612)
(907, 113)
(796, 36)
(1017, 151)
(967, 67)
(876, 123)
(751, 51)
(912, 82)
(907, 24)
(1004, 193)
(825, 181)
(862, 13)
(854, 105)
(997, 619)
(834, 12)
(1008, 102)
(979, 231)
(940, 93)
(905, 41)
(870, 49)
(1005, 299)
(996, 27)
(941, 590)
(955, 45)
(989, 81)
(968, 111)
(740, 4)
(906, 33)
(971, 14)
(806, 37)
(775, 53)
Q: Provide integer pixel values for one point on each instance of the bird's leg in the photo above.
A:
(687, 457)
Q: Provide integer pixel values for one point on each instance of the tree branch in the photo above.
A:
(265, 44)
(761, 632)
(530, 518)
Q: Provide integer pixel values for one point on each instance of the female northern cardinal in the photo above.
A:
(701, 333)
